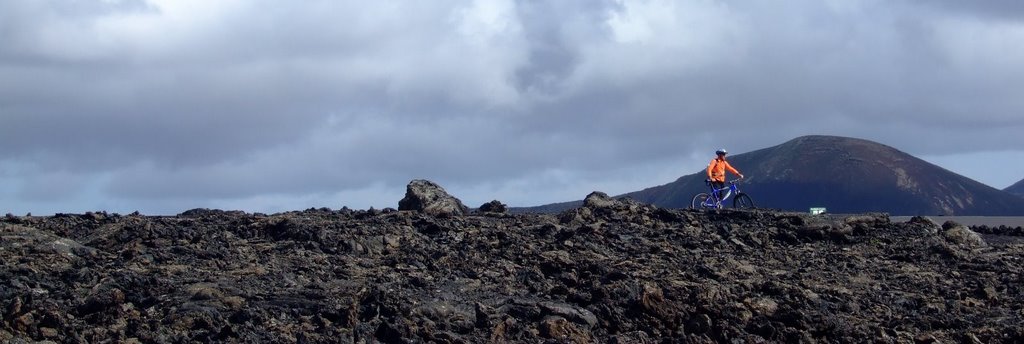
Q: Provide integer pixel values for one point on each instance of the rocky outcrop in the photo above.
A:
(600, 200)
(428, 197)
(494, 207)
(961, 235)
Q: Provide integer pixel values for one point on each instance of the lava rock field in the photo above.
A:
(612, 271)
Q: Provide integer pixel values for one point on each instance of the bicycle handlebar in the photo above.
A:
(734, 181)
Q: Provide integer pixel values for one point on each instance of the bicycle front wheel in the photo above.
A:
(699, 201)
(742, 201)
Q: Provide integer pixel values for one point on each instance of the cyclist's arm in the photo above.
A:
(733, 170)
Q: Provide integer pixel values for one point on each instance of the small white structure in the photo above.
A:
(816, 211)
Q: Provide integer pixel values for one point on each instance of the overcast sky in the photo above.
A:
(166, 105)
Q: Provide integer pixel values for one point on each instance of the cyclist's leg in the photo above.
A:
(717, 187)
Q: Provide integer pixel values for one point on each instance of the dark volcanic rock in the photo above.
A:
(599, 200)
(494, 206)
(961, 235)
(615, 271)
(428, 197)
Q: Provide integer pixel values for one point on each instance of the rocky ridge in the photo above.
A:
(615, 271)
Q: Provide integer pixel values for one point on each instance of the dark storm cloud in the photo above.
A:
(794, 67)
(193, 100)
(553, 32)
(218, 95)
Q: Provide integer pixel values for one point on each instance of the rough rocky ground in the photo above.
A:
(610, 272)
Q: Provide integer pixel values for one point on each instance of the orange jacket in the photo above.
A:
(716, 170)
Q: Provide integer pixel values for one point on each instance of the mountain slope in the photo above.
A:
(846, 175)
(1016, 189)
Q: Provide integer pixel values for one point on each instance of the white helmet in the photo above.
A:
(721, 151)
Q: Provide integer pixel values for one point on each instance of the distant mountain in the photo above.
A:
(1016, 189)
(844, 175)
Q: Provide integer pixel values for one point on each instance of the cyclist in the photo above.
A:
(717, 168)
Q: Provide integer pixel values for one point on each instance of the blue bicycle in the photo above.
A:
(715, 198)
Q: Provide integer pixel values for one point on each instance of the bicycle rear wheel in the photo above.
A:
(699, 201)
(742, 201)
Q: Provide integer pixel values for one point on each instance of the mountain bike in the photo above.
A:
(714, 199)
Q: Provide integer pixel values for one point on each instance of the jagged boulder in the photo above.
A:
(494, 206)
(926, 224)
(602, 204)
(600, 200)
(959, 234)
(429, 197)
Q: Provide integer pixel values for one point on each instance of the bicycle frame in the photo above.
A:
(716, 199)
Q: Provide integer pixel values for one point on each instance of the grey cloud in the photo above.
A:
(321, 97)
(351, 154)
(201, 109)
(553, 31)
(51, 186)
(884, 70)
(997, 9)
